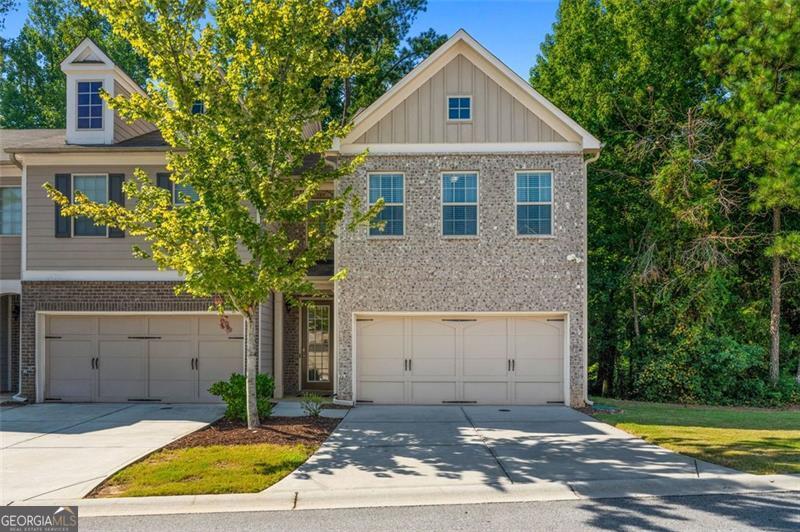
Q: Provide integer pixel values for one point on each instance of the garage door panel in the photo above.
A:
(486, 367)
(381, 347)
(433, 392)
(381, 367)
(486, 392)
(381, 327)
(433, 367)
(122, 326)
(172, 326)
(434, 346)
(122, 369)
(69, 368)
(538, 346)
(210, 325)
(543, 369)
(538, 327)
(382, 391)
(71, 325)
(538, 392)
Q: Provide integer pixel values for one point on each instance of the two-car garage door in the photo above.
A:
(171, 358)
(482, 359)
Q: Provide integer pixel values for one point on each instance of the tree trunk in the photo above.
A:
(251, 368)
(775, 311)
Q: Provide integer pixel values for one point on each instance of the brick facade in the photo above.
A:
(92, 296)
(495, 271)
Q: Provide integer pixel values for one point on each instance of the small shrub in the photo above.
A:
(233, 394)
(312, 404)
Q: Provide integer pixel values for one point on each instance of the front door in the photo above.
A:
(317, 353)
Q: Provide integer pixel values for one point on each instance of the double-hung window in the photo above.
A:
(90, 105)
(10, 210)
(534, 203)
(181, 191)
(390, 221)
(459, 204)
(94, 187)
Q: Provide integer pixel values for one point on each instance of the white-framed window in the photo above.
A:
(10, 211)
(181, 191)
(459, 203)
(534, 203)
(391, 187)
(90, 105)
(198, 107)
(94, 187)
(459, 108)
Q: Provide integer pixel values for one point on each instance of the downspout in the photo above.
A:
(18, 397)
(586, 164)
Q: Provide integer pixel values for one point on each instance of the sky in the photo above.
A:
(512, 30)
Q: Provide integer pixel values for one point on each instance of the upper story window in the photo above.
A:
(459, 107)
(90, 105)
(390, 188)
(10, 210)
(94, 187)
(534, 203)
(198, 107)
(459, 204)
(182, 191)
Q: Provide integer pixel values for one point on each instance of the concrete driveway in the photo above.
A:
(441, 447)
(64, 450)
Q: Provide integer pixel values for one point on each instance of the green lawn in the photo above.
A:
(755, 440)
(213, 469)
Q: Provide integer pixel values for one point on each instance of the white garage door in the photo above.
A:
(487, 359)
(171, 358)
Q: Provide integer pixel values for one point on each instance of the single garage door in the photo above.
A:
(440, 359)
(116, 358)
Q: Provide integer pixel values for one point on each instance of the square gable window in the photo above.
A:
(459, 107)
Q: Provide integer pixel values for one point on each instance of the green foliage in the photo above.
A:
(232, 392)
(312, 404)
(678, 281)
(32, 86)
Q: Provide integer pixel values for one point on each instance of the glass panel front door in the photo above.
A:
(318, 360)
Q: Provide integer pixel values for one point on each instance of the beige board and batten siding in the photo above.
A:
(46, 252)
(122, 129)
(496, 115)
(10, 245)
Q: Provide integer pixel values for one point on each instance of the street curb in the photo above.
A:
(426, 496)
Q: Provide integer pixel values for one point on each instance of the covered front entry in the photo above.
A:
(491, 359)
(157, 357)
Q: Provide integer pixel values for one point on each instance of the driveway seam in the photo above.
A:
(70, 426)
(488, 448)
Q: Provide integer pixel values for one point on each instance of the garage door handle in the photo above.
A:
(191, 362)
(514, 364)
(409, 364)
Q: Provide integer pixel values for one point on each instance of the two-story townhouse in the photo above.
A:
(473, 289)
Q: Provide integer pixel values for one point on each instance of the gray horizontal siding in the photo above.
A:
(46, 252)
(123, 130)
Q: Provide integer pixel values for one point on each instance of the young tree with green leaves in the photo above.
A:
(32, 85)
(261, 69)
(753, 48)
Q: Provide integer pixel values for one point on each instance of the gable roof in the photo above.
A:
(89, 56)
(463, 43)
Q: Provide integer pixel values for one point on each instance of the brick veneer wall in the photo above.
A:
(291, 350)
(494, 271)
(91, 296)
(15, 330)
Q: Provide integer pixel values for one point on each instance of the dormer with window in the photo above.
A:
(90, 120)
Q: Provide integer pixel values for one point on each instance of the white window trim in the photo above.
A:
(102, 104)
(72, 200)
(387, 204)
(517, 203)
(22, 213)
(175, 199)
(447, 107)
(442, 203)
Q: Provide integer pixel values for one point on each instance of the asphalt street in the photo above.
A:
(777, 511)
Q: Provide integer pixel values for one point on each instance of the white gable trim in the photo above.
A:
(463, 43)
(87, 48)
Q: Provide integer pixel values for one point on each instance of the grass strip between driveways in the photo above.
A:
(207, 470)
(754, 440)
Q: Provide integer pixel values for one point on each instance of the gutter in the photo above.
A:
(586, 163)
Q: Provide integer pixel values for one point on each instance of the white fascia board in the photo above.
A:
(455, 148)
(100, 275)
(10, 286)
(97, 156)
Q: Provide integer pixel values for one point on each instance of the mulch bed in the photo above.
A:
(276, 430)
